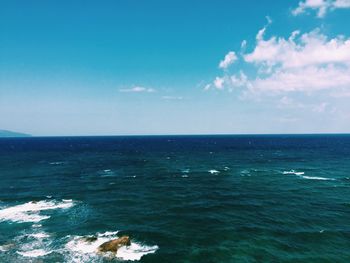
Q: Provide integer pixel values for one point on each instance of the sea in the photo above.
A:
(219, 198)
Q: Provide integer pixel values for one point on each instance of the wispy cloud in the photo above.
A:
(320, 6)
(138, 89)
(229, 59)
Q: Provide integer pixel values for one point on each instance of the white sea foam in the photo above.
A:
(108, 234)
(56, 163)
(301, 175)
(244, 172)
(135, 251)
(34, 253)
(30, 212)
(107, 173)
(33, 244)
(6, 247)
(40, 235)
(184, 176)
(293, 172)
(81, 250)
(318, 178)
(213, 171)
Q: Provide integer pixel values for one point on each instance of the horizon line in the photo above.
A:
(182, 134)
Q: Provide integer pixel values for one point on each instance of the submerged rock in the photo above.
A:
(90, 239)
(114, 245)
(7, 247)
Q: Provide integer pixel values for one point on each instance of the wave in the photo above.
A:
(301, 175)
(318, 178)
(293, 172)
(40, 235)
(30, 212)
(214, 171)
(6, 247)
(36, 244)
(34, 253)
(56, 163)
(107, 173)
(83, 249)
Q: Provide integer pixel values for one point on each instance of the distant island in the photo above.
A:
(5, 133)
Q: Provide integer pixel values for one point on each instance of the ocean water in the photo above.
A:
(179, 198)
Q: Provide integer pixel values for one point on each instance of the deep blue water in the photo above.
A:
(180, 198)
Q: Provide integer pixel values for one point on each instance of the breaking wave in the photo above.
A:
(31, 211)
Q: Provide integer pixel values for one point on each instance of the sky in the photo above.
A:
(129, 67)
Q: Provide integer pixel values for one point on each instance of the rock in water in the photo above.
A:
(90, 239)
(114, 245)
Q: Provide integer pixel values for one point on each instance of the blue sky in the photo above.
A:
(174, 67)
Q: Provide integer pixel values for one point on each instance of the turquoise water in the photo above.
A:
(180, 198)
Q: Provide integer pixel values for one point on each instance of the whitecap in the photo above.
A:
(34, 253)
(317, 178)
(301, 175)
(135, 251)
(56, 163)
(30, 212)
(213, 171)
(184, 176)
(108, 234)
(293, 172)
(40, 235)
(6, 247)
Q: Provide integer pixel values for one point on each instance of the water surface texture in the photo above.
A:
(179, 198)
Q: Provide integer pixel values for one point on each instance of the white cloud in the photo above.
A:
(239, 80)
(307, 63)
(320, 6)
(219, 83)
(138, 89)
(307, 79)
(342, 4)
(207, 86)
(309, 49)
(229, 59)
